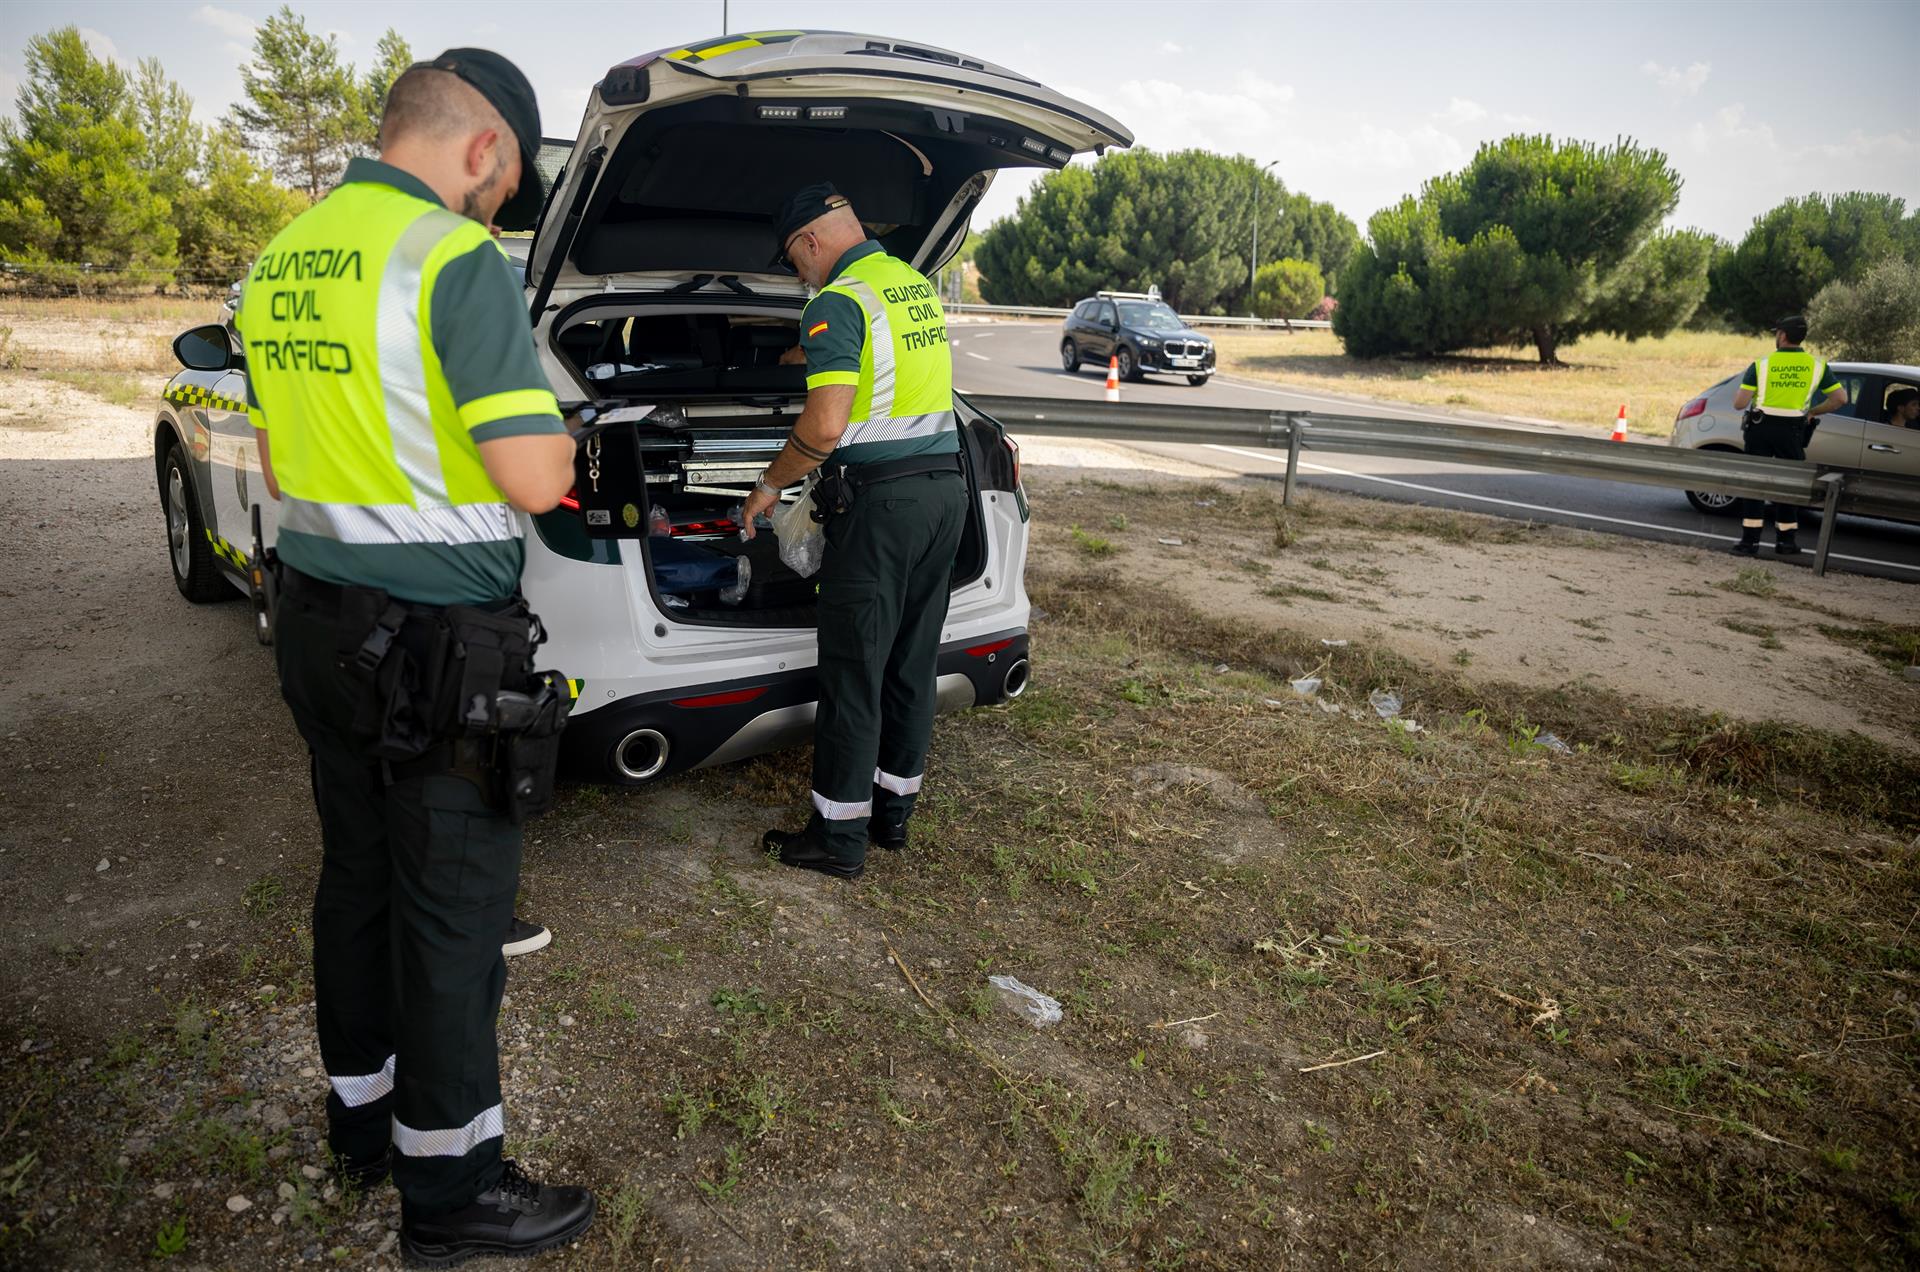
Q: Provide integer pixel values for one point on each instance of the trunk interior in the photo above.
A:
(671, 483)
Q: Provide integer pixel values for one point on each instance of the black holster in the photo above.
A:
(454, 690)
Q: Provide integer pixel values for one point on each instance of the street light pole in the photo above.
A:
(1254, 268)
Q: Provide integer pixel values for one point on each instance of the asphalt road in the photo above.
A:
(1022, 359)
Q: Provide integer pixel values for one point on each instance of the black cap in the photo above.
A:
(507, 91)
(803, 206)
(1794, 326)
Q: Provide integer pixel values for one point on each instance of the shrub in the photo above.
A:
(1287, 289)
(1874, 320)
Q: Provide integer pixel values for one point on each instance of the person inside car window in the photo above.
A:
(1903, 408)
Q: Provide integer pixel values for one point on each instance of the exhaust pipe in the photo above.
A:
(641, 755)
(1014, 683)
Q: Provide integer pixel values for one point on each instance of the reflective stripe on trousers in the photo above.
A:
(365, 1088)
(455, 1141)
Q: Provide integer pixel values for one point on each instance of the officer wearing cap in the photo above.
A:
(879, 423)
(402, 417)
(1783, 395)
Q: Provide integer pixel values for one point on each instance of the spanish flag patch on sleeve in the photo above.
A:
(816, 329)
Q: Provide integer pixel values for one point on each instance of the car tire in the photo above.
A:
(1197, 380)
(1713, 503)
(196, 571)
(1129, 365)
(1069, 357)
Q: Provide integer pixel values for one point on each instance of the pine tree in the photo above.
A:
(302, 111)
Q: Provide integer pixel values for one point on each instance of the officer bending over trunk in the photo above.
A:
(401, 417)
(880, 425)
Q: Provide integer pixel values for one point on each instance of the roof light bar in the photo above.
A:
(779, 112)
(1037, 147)
(826, 112)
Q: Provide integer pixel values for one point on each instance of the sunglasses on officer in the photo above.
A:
(786, 251)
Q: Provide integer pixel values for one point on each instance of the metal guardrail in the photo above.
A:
(1527, 450)
(1192, 320)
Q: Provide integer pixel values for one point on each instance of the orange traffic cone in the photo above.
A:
(1620, 424)
(1113, 379)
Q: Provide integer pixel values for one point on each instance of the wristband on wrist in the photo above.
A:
(760, 484)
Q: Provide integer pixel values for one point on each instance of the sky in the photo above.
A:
(1358, 101)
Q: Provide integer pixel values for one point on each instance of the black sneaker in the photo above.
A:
(524, 938)
(1786, 545)
(803, 849)
(517, 1218)
(1746, 547)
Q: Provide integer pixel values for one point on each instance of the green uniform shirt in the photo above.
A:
(369, 502)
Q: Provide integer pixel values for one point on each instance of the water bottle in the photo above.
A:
(658, 522)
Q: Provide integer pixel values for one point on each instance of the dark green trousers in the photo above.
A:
(883, 601)
(417, 880)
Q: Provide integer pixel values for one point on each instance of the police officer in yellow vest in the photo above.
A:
(879, 422)
(1782, 394)
(402, 417)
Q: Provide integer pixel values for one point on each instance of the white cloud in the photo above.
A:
(1461, 111)
(1681, 83)
(1168, 46)
(235, 26)
(101, 47)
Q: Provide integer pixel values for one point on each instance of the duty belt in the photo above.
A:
(861, 475)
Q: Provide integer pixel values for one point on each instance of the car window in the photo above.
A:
(1105, 313)
(1085, 309)
(1149, 317)
(1855, 383)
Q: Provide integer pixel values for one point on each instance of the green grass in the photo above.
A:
(120, 388)
(1092, 544)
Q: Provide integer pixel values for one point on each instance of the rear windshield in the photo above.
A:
(629, 355)
(1150, 317)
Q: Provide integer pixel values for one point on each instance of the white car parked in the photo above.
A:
(656, 303)
(1857, 436)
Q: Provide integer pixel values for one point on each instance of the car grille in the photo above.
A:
(1185, 348)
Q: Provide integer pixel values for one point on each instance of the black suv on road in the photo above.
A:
(1141, 331)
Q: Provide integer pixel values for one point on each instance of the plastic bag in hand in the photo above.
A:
(802, 546)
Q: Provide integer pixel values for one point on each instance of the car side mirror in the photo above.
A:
(206, 349)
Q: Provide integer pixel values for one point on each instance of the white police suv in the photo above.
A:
(657, 311)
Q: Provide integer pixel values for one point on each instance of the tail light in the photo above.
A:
(1013, 453)
(571, 500)
(1696, 407)
(984, 651)
(731, 698)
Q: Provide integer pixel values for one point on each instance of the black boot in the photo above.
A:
(807, 849)
(515, 1219)
(886, 830)
(1785, 543)
(1749, 544)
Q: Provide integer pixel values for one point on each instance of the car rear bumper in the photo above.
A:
(648, 737)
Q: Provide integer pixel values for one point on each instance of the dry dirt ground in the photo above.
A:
(1335, 991)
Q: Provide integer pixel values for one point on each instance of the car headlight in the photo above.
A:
(1149, 342)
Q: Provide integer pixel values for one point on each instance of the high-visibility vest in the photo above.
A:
(1787, 380)
(368, 445)
(903, 400)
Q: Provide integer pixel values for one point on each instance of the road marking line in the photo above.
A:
(983, 357)
(1514, 503)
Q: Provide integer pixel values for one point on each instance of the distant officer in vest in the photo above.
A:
(879, 421)
(402, 417)
(1787, 391)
